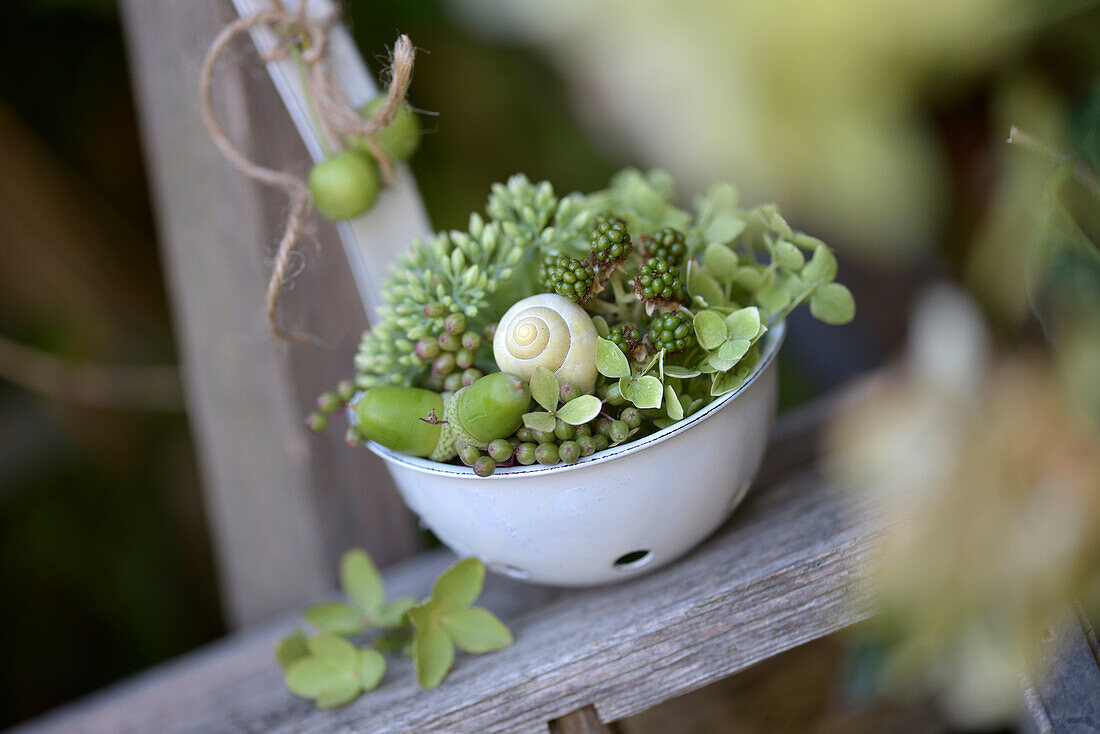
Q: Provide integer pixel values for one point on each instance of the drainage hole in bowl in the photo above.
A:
(633, 560)
(508, 570)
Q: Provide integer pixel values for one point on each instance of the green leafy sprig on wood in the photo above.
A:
(331, 670)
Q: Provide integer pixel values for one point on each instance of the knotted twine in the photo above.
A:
(335, 115)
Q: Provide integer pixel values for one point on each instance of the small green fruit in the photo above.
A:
(401, 137)
(484, 466)
(344, 186)
(525, 453)
(547, 454)
(500, 449)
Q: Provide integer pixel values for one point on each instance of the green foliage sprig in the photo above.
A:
(329, 669)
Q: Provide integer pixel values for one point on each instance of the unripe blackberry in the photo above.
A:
(659, 281)
(317, 422)
(471, 340)
(543, 436)
(567, 392)
(631, 416)
(469, 454)
(625, 336)
(567, 277)
(353, 438)
(464, 358)
(525, 453)
(329, 402)
(453, 382)
(547, 454)
(610, 240)
(427, 349)
(346, 390)
(612, 394)
(569, 452)
(667, 243)
(484, 466)
(455, 323)
(672, 332)
(499, 449)
(619, 431)
(564, 431)
(444, 364)
(448, 342)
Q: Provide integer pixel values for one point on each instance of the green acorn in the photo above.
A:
(424, 423)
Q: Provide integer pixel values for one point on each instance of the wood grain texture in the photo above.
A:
(778, 575)
(282, 504)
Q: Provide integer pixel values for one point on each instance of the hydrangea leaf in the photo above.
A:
(643, 392)
(833, 304)
(773, 298)
(335, 617)
(460, 585)
(680, 373)
(719, 260)
(725, 382)
(580, 410)
(789, 256)
(719, 363)
(361, 581)
(343, 691)
(734, 350)
(333, 650)
(392, 615)
(309, 676)
(433, 654)
(544, 388)
(539, 421)
(372, 666)
(610, 360)
(822, 266)
(476, 630)
(749, 277)
(704, 286)
(291, 649)
(709, 329)
(743, 324)
(672, 404)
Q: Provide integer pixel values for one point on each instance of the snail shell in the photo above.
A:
(548, 331)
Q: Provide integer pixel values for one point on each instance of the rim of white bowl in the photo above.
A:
(772, 341)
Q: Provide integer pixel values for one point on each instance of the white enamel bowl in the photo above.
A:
(614, 514)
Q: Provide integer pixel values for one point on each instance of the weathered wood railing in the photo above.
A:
(781, 573)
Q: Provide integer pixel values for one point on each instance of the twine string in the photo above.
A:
(335, 114)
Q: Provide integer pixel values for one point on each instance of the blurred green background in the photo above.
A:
(104, 556)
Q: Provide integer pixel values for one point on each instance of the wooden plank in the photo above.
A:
(282, 505)
(1067, 701)
(778, 575)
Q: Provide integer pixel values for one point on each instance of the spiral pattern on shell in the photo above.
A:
(548, 331)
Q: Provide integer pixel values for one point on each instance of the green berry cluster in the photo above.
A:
(626, 336)
(672, 332)
(567, 277)
(658, 280)
(565, 444)
(610, 240)
(666, 243)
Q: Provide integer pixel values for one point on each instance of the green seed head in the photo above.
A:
(484, 466)
(455, 324)
(453, 382)
(344, 186)
(317, 422)
(399, 139)
(564, 431)
(491, 408)
(500, 449)
(618, 432)
(570, 452)
(525, 453)
(329, 402)
(469, 454)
